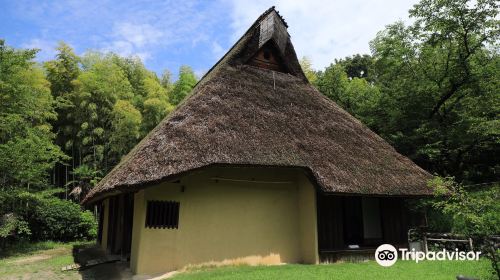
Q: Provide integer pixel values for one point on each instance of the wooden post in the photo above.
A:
(470, 243)
(426, 249)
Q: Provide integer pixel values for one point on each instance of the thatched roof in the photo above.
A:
(240, 114)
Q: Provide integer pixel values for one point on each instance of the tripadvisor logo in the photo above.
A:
(387, 255)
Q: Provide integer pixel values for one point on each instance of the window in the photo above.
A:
(162, 214)
(267, 54)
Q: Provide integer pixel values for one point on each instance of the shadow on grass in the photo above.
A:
(26, 247)
(82, 253)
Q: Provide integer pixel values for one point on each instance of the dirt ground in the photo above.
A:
(47, 264)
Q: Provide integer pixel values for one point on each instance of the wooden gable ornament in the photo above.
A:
(273, 39)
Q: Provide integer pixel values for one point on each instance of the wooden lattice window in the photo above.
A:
(162, 214)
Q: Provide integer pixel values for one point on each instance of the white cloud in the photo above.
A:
(138, 34)
(133, 39)
(145, 29)
(217, 50)
(46, 47)
(324, 30)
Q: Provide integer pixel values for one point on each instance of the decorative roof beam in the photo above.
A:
(272, 27)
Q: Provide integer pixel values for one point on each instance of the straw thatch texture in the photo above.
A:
(239, 114)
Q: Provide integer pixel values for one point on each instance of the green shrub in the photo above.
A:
(473, 213)
(11, 225)
(42, 216)
(88, 225)
(12, 228)
(63, 220)
(439, 221)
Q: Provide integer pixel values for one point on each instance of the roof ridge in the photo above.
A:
(264, 14)
(252, 27)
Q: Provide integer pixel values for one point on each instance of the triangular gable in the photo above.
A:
(269, 57)
(268, 35)
(270, 46)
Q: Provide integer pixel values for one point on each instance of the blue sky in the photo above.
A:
(166, 34)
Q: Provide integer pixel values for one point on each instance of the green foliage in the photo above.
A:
(439, 87)
(94, 108)
(154, 111)
(62, 71)
(358, 66)
(43, 216)
(115, 101)
(431, 88)
(63, 220)
(333, 82)
(85, 177)
(27, 150)
(306, 65)
(156, 105)
(475, 214)
(11, 225)
(356, 95)
(166, 81)
(126, 122)
(97, 91)
(184, 85)
(52, 218)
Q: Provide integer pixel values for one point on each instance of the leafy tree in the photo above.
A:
(61, 72)
(115, 101)
(358, 66)
(362, 98)
(356, 95)
(97, 91)
(151, 95)
(12, 227)
(463, 27)
(154, 111)
(333, 81)
(125, 125)
(27, 151)
(184, 85)
(156, 105)
(105, 104)
(439, 78)
(430, 88)
(135, 73)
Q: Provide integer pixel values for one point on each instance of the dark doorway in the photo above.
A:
(363, 221)
(120, 224)
(353, 220)
(100, 211)
(128, 219)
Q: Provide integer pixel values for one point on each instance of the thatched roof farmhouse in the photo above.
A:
(255, 137)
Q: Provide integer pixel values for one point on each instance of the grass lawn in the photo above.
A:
(44, 261)
(365, 270)
(38, 261)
